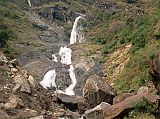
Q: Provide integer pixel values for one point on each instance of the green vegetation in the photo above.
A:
(3, 37)
(143, 107)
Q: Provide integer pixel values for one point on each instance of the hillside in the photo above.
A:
(122, 36)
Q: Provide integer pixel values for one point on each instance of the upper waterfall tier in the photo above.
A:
(76, 34)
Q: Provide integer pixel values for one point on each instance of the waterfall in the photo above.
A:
(29, 3)
(76, 34)
(65, 54)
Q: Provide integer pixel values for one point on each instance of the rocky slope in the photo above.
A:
(121, 35)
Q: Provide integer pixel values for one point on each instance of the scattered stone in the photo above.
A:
(143, 89)
(14, 62)
(14, 70)
(32, 81)
(72, 115)
(38, 117)
(25, 74)
(16, 88)
(20, 80)
(15, 101)
(58, 114)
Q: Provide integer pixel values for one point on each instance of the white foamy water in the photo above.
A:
(75, 36)
(65, 54)
(54, 58)
(49, 79)
(69, 90)
(29, 3)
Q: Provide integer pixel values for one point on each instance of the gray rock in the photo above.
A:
(38, 117)
(96, 90)
(22, 81)
(105, 111)
(143, 89)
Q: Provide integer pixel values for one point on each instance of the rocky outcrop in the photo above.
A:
(96, 90)
(106, 111)
(155, 71)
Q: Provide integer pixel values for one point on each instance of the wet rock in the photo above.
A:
(20, 80)
(104, 111)
(143, 89)
(96, 90)
(38, 117)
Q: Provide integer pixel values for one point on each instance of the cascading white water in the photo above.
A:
(29, 3)
(65, 55)
(54, 58)
(49, 79)
(69, 90)
(75, 36)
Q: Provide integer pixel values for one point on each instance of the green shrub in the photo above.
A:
(142, 20)
(88, 1)
(3, 37)
(158, 4)
(108, 49)
(142, 107)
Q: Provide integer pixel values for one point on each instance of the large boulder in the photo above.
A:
(96, 90)
(106, 111)
(22, 83)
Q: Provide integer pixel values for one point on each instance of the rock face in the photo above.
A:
(96, 90)
(155, 71)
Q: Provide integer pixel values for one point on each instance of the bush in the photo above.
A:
(88, 1)
(3, 37)
(108, 49)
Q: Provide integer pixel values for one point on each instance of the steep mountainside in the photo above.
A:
(122, 35)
